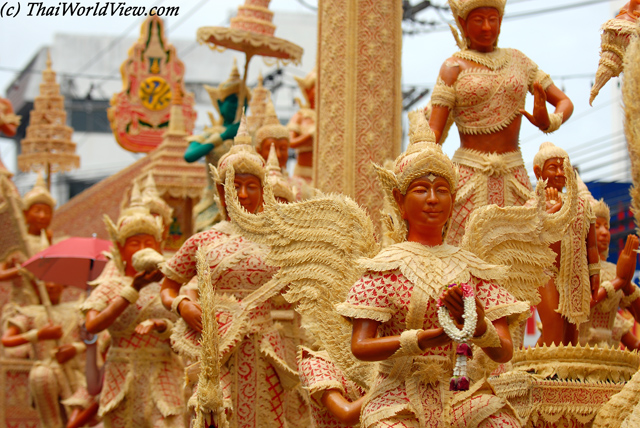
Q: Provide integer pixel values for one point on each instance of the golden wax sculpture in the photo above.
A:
(359, 101)
(139, 114)
(47, 145)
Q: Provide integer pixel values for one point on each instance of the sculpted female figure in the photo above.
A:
(482, 88)
(252, 368)
(142, 375)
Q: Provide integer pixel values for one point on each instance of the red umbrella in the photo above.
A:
(73, 261)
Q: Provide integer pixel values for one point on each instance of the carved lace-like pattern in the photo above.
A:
(319, 374)
(572, 280)
(487, 101)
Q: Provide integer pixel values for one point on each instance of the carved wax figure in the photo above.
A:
(482, 88)
(9, 122)
(606, 326)
(394, 306)
(565, 299)
(273, 133)
(216, 141)
(50, 383)
(142, 375)
(251, 354)
(38, 207)
(302, 127)
(617, 33)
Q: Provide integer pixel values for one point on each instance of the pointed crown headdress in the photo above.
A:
(307, 82)
(276, 180)
(242, 155)
(462, 8)
(134, 220)
(38, 195)
(601, 209)
(548, 150)
(230, 86)
(271, 128)
(152, 200)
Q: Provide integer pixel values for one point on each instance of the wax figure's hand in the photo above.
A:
(50, 332)
(453, 300)
(65, 353)
(147, 326)
(191, 313)
(553, 201)
(540, 116)
(432, 338)
(143, 279)
(626, 265)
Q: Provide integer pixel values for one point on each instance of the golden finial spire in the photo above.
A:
(243, 136)
(260, 79)
(419, 130)
(271, 118)
(273, 165)
(136, 196)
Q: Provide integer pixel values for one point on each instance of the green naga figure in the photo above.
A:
(215, 141)
(211, 143)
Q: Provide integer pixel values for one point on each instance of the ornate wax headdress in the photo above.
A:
(423, 157)
(547, 151)
(152, 200)
(271, 128)
(278, 184)
(461, 9)
(230, 86)
(134, 220)
(242, 156)
(307, 83)
(38, 195)
(601, 209)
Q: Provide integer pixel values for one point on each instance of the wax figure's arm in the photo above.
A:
(13, 337)
(630, 341)
(9, 270)
(97, 321)
(439, 114)
(625, 269)
(347, 412)
(366, 346)
(81, 417)
(188, 309)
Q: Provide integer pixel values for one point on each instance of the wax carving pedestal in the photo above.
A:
(359, 99)
(564, 386)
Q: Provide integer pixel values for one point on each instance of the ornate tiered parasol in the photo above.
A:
(251, 32)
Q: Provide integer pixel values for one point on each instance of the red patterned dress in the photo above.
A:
(317, 375)
(143, 377)
(253, 372)
(412, 391)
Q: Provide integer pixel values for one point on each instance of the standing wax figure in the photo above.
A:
(216, 141)
(607, 327)
(38, 207)
(302, 127)
(9, 122)
(272, 133)
(142, 375)
(50, 384)
(253, 371)
(565, 299)
(482, 88)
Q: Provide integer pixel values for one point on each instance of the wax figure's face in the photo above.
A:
(54, 291)
(553, 172)
(428, 202)
(282, 149)
(38, 216)
(482, 28)
(603, 235)
(135, 243)
(249, 190)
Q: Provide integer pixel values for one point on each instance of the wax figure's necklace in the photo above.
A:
(494, 60)
(460, 380)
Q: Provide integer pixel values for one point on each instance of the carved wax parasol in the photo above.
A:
(251, 32)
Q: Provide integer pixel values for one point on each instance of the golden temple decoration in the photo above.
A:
(359, 97)
(47, 146)
(631, 100)
(258, 106)
(151, 75)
